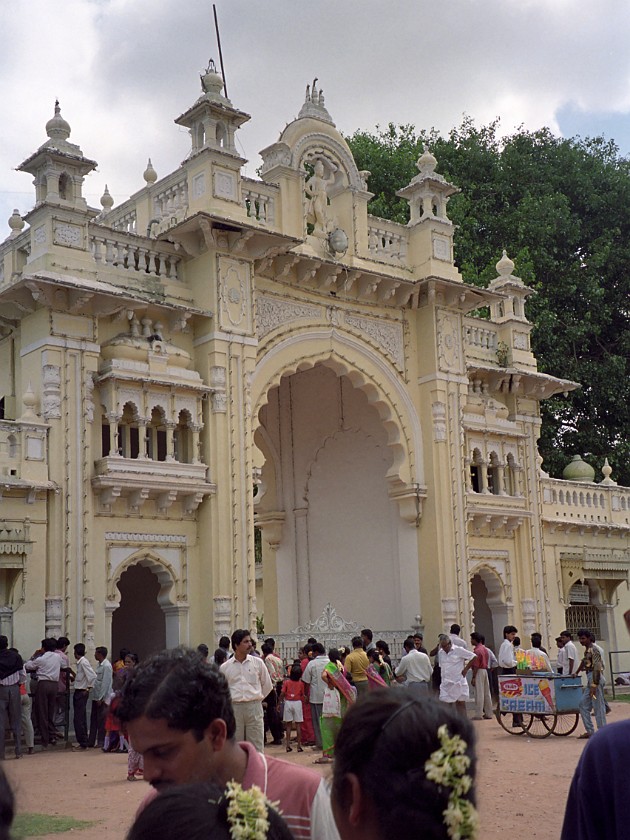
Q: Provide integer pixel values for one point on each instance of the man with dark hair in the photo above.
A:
(11, 667)
(418, 642)
(456, 638)
(538, 654)
(62, 714)
(83, 682)
(570, 658)
(100, 692)
(179, 716)
(366, 637)
(249, 683)
(47, 667)
(203, 651)
(356, 665)
(415, 670)
(275, 666)
(507, 662)
(593, 693)
(224, 642)
(312, 676)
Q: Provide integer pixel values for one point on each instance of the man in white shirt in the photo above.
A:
(454, 661)
(101, 690)
(11, 669)
(455, 637)
(414, 670)
(312, 676)
(83, 681)
(537, 656)
(249, 683)
(47, 666)
(570, 655)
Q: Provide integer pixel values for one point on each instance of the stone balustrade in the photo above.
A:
(481, 340)
(133, 254)
(585, 502)
(123, 219)
(387, 240)
(259, 200)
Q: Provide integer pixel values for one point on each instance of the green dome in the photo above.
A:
(578, 470)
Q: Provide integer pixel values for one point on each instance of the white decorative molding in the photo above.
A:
(39, 235)
(35, 449)
(438, 411)
(234, 294)
(89, 396)
(449, 342)
(272, 312)
(66, 234)
(217, 381)
(134, 537)
(387, 335)
(199, 185)
(225, 184)
(222, 615)
(442, 248)
(528, 611)
(51, 392)
(328, 622)
(53, 615)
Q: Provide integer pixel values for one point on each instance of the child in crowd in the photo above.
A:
(293, 693)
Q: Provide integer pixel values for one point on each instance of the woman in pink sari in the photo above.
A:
(308, 733)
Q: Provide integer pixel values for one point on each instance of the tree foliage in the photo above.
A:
(561, 208)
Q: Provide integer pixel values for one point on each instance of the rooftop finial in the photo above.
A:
(314, 104)
(57, 128)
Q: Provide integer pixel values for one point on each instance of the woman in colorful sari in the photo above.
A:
(378, 672)
(339, 695)
(308, 733)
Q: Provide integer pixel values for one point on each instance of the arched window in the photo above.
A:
(65, 187)
(494, 485)
(156, 435)
(475, 471)
(13, 446)
(128, 432)
(183, 438)
(201, 136)
(221, 135)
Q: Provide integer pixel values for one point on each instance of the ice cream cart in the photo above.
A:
(548, 704)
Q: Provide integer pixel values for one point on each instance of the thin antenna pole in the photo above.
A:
(216, 26)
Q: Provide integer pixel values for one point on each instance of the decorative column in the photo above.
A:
(170, 441)
(53, 617)
(222, 615)
(302, 565)
(482, 466)
(499, 477)
(6, 623)
(113, 420)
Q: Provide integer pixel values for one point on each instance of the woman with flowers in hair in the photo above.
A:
(205, 812)
(422, 753)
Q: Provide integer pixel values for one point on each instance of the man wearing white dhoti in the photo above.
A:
(454, 662)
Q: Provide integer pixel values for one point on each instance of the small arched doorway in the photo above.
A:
(139, 623)
(489, 608)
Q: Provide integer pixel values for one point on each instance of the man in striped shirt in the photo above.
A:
(11, 667)
(179, 716)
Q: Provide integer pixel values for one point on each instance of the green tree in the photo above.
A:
(561, 208)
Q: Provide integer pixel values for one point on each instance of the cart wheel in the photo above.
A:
(538, 726)
(505, 719)
(565, 724)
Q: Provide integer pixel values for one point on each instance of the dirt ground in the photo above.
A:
(522, 783)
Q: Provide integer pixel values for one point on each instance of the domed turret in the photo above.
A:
(57, 128)
(578, 470)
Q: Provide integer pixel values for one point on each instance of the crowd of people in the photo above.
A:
(195, 726)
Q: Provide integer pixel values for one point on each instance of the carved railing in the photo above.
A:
(133, 254)
(123, 219)
(481, 340)
(586, 502)
(259, 200)
(387, 240)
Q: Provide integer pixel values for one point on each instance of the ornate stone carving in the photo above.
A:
(222, 615)
(521, 341)
(88, 619)
(316, 191)
(51, 392)
(89, 397)
(39, 235)
(69, 235)
(449, 610)
(124, 536)
(271, 312)
(442, 248)
(438, 410)
(53, 617)
(218, 402)
(199, 185)
(387, 335)
(328, 622)
(528, 608)
(449, 342)
(225, 184)
(234, 295)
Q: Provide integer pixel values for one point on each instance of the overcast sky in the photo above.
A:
(124, 69)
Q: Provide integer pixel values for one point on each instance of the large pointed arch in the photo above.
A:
(368, 371)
